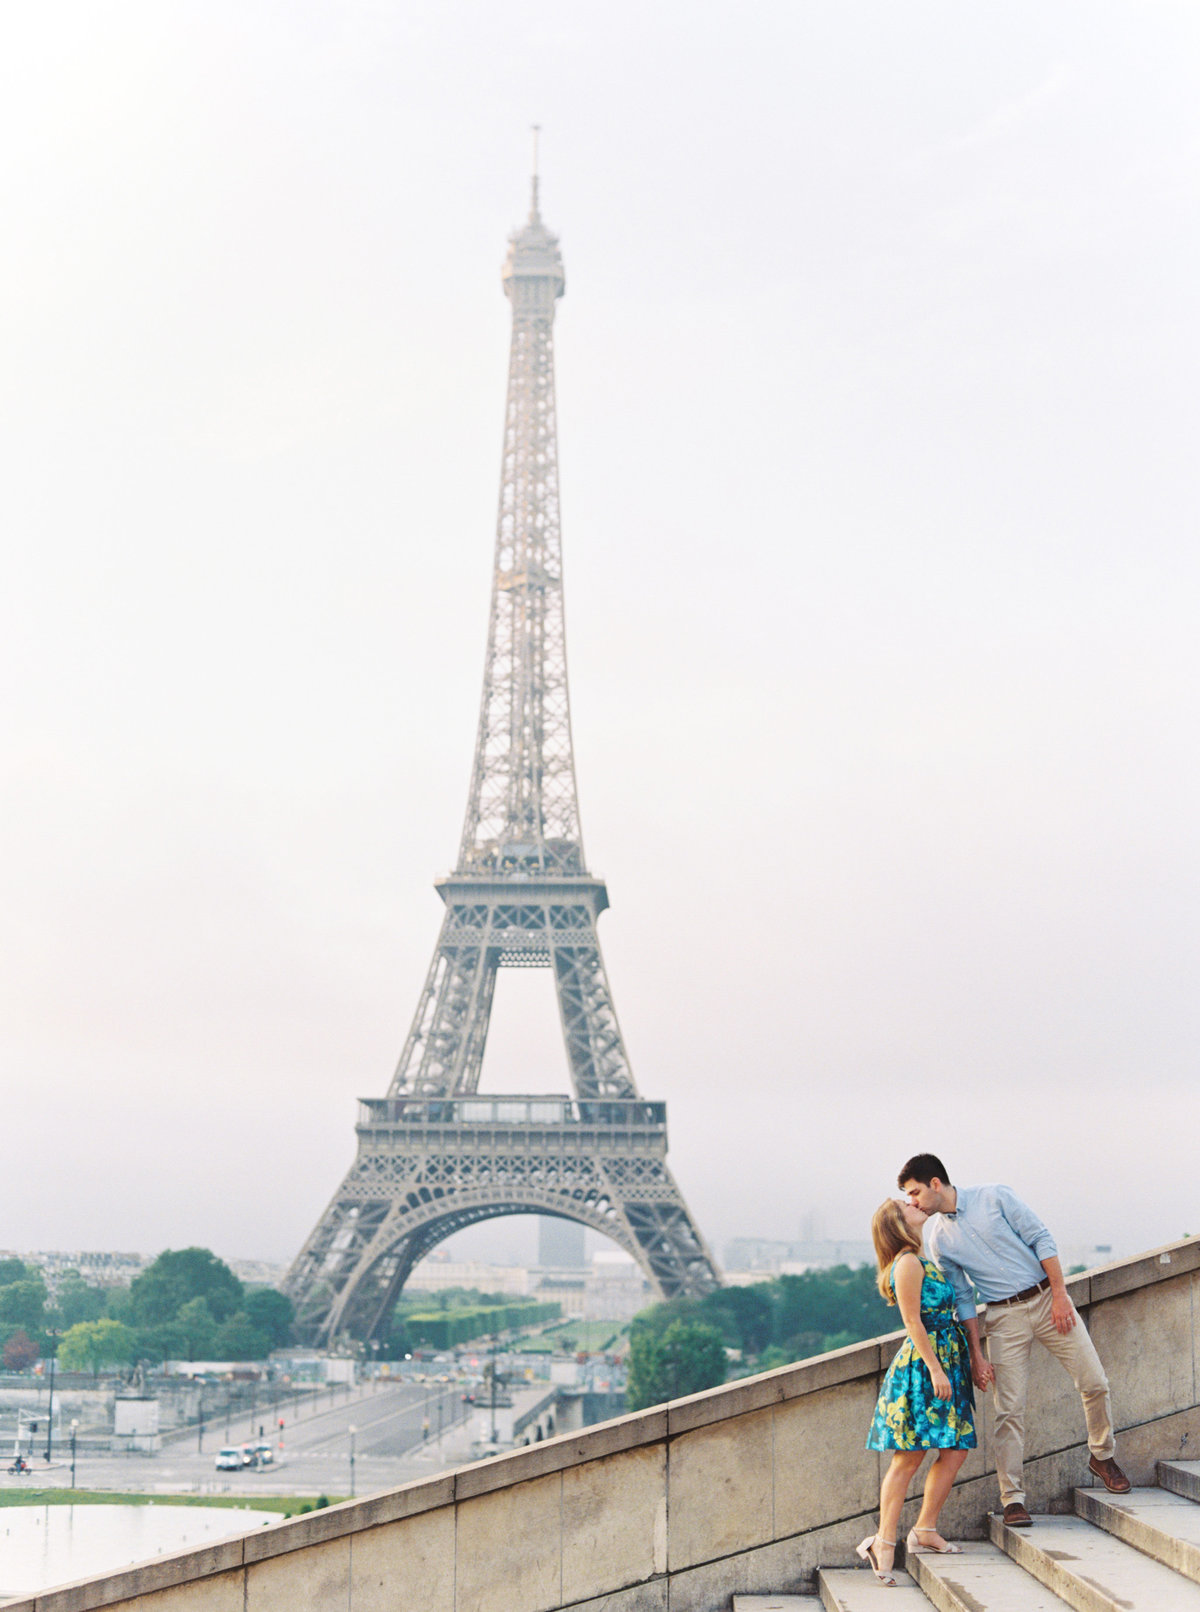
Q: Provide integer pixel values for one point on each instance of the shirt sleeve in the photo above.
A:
(1026, 1224)
(964, 1293)
(965, 1304)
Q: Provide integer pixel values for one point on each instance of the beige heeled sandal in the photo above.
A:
(868, 1555)
(914, 1544)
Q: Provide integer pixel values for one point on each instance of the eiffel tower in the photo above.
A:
(433, 1156)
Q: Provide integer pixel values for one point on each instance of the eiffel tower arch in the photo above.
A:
(434, 1155)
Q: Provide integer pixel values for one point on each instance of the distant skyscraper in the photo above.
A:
(433, 1156)
(560, 1244)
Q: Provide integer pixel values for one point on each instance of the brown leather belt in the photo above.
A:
(1026, 1293)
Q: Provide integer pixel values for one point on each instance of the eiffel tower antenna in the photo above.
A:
(434, 1156)
(533, 207)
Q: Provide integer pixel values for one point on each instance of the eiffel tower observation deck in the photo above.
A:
(433, 1155)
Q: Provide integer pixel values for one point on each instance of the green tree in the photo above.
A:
(195, 1324)
(742, 1315)
(271, 1312)
(816, 1306)
(167, 1342)
(785, 1318)
(178, 1276)
(684, 1359)
(23, 1303)
(88, 1345)
(118, 1304)
(14, 1270)
(76, 1300)
(20, 1351)
(239, 1339)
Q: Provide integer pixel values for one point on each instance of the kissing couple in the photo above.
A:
(941, 1249)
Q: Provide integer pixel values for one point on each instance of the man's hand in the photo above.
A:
(1062, 1312)
(983, 1372)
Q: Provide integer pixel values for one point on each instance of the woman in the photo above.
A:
(927, 1402)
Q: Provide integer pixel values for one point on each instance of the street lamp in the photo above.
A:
(50, 1412)
(495, 1349)
(74, 1431)
(352, 1431)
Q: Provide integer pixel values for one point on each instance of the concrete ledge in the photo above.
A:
(1127, 1275)
(1080, 1289)
(425, 1494)
(567, 1450)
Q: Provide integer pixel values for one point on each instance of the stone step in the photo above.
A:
(775, 1603)
(1181, 1477)
(856, 1589)
(1154, 1521)
(982, 1579)
(1093, 1571)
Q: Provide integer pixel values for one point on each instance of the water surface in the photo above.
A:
(41, 1546)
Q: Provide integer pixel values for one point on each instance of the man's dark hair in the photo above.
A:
(923, 1167)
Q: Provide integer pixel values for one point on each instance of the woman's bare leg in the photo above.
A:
(938, 1482)
(892, 1491)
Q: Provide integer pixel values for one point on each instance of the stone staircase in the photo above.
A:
(1137, 1552)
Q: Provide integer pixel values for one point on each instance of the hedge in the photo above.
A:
(442, 1329)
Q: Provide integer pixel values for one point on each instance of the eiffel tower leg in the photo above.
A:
(595, 1050)
(444, 1049)
(669, 1245)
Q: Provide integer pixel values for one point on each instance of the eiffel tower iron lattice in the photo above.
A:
(433, 1156)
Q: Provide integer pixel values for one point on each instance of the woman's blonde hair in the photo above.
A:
(892, 1236)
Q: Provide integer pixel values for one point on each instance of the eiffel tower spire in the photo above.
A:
(522, 811)
(433, 1157)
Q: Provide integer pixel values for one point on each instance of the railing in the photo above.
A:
(624, 1112)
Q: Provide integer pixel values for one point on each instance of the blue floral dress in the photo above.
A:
(909, 1416)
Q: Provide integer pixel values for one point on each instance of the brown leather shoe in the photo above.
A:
(1015, 1516)
(1110, 1474)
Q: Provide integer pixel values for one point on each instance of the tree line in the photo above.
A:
(686, 1345)
(442, 1329)
(187, 1305)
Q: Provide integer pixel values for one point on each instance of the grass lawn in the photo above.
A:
(289, 1504)
(594, 1336)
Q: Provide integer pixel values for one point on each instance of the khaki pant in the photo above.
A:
(1011, 1331)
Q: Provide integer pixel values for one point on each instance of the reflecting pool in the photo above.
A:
(41, 1546)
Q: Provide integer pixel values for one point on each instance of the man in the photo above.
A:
(987, 1237)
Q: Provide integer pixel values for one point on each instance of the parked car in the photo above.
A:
(229, 1460)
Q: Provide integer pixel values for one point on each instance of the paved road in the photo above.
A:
(391, 1422)
(390, 1448)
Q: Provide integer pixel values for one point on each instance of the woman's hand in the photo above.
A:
(941, 1383)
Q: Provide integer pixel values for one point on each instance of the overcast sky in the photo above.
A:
(878, 419)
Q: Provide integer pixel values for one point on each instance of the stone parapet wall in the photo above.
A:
(748, 1487)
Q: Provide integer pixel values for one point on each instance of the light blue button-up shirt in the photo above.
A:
(992, 1240)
